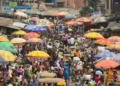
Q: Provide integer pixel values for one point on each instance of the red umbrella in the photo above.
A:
(30, 35)
(83, 19)
(106, 64)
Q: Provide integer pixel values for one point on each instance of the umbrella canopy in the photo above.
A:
(104, 55)
(106, 64)
(18, 13)
(26, 21)
(31, 35)
(100, 19)
(7, 56)
(3, 39)
(114, 39)
(93, 35)
(95, 16)
(30, 27)
(84, 19)
(32, 12)
(40, 29)
(70, 16)
(60, 14)
(19, 24)
(34, 19)
(7, 44)
(38, 54)
(72, 22)
(18, 40)
(103, 41)
(117, 58)
(19, 32)
(113, 47)
(34, 40)
(7, 49)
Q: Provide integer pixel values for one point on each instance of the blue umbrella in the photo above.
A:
(117, 58)
(70, 16)
(104, 55)
(40, 29)
(30, 27)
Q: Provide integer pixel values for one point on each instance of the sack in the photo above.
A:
(65, 38)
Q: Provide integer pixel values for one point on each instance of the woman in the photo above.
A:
(59, 74)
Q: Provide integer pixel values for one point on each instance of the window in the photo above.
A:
(60, 4)
(48, 1)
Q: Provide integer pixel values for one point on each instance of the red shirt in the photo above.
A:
(97, 79)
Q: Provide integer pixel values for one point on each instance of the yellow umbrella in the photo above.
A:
(7, 56)
(93, 35)
(38, 54)
(3, 39)
(18, 40)
(19, 32)
(61, 83)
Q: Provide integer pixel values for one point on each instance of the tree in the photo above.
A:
(86, 10)
(93, 4)
(90, 6)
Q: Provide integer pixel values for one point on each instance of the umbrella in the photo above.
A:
(38, 54)
(117, 58)
(30, 27)
(8, 49)
(39, 29)
(7, 56)
(18, 13)
(93, 35)
(72, 22)
(106, 64)
(7, 44)
(114, 39)
(32, 12)
(18, 40)
(103, 41)
(104, 55)
(34, 40)
(60, 14)
(95, 16)
(113, 47)
(19, 24)
(50, 80)
(31, 35)
(99, 20)
(61, 83)
(70, 16)
(83, 19)
(34, 19)
(19, 32)
(3, 39)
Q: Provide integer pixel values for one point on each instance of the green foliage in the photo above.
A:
(93, 3)
(85, 10)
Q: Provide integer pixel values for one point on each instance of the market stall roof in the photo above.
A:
(14, 27)
(19, 24)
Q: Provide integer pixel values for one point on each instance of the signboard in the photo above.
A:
(6, 9)
(12, 3)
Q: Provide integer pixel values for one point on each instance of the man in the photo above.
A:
(72, 41)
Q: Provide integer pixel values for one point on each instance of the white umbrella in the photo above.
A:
(18, 13)
(100, 19)
(19, 24)
(95, 16)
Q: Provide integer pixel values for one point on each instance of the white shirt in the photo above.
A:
(72, 40)
(87, 77)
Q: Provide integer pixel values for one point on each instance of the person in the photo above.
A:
(72, 41)
(66, 76)
(97, 79)
(77, 53)
(59, 74)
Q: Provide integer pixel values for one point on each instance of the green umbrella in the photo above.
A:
(32, 12)
(26, 21)
(7, 44)
(8, 49)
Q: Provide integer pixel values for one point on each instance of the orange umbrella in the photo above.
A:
(72, 22)
(104, 41)
(114, 47)
(106, 64)
(31, 35)
(84, 19)
(34, 40)
(114, 38)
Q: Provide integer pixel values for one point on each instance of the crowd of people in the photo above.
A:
(63, 44)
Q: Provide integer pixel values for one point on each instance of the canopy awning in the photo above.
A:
(14, 27)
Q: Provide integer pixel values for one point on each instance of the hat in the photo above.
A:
(10, 85)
